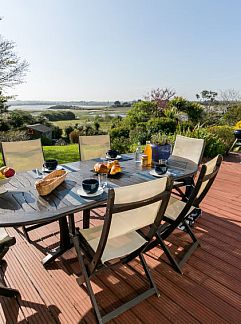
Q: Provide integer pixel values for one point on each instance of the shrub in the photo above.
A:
(193, 109)
(58, 115)
(4, 126)
(46, 141)
(213, 144)
(225, 134)
(89, 130)
(139, 134)
(141, 111)
(13, 136)
(56, 132)
(116, 122)
(68, 130)
(74, 136)
(121, 144)
(161, 124)
(119, 132)
(233, 115)
(60, 142)
(19, 118)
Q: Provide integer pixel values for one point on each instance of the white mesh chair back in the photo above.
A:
(92, 147)
(23, 155)
(134, 219)
(210, 168)
(189, 148)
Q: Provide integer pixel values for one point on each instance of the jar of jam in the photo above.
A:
(144, 160)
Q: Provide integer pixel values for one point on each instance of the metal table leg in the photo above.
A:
(86, 218)
(65, 242)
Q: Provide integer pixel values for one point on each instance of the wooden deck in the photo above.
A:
(208, 292)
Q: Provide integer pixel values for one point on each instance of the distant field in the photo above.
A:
(83, 115)
(64, 123)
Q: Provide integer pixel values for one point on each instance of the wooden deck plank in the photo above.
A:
(208, 292)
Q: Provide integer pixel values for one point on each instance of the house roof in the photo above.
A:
(40, 128)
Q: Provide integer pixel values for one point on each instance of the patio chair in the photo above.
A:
(5, 242)
(192, 149)
(24, 156)
(128, 209)
(178, 212)
(92, 147)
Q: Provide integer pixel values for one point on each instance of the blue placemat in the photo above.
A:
(122, 159)
(171, 172)
(68, 168)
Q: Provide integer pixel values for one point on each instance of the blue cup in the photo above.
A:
(90, 186)
(50, 164)
(161, 168)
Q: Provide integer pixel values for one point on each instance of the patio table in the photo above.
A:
(21, 205)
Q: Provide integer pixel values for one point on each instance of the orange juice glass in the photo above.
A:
(148, 152)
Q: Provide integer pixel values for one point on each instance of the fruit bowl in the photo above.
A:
(2, 183)
(6, 174)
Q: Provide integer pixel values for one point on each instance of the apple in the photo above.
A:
(8, 172)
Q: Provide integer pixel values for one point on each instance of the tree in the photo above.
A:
(117, 103)
(3, 102)
(12, 68)
(140, 112)
(192, 109)
(161, 97)
(96, 126)
(229, 96)
(207, 95)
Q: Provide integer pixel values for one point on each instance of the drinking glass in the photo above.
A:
(39, 175)
(102, 177)
(161, 167)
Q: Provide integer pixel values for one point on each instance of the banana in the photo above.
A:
(2, 176)
(3, 168)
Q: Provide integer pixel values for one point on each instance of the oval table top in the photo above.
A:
(21, 204)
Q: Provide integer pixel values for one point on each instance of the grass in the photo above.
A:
(64, 154)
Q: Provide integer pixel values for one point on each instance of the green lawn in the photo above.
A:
(64, 154)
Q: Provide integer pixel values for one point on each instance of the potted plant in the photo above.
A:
(161, 147)
(237, 130)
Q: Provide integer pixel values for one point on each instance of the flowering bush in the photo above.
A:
(238, 125)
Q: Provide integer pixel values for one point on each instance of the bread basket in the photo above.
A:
(46, 185)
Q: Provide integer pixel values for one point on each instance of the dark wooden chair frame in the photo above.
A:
(26, 228)
(4, 290)
(165, 230)
(90, 261)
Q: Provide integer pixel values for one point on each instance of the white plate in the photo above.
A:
(153, 173)
(59, 167)
(118, 157)
(82, 193)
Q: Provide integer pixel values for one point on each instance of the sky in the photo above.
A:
(121, 49)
